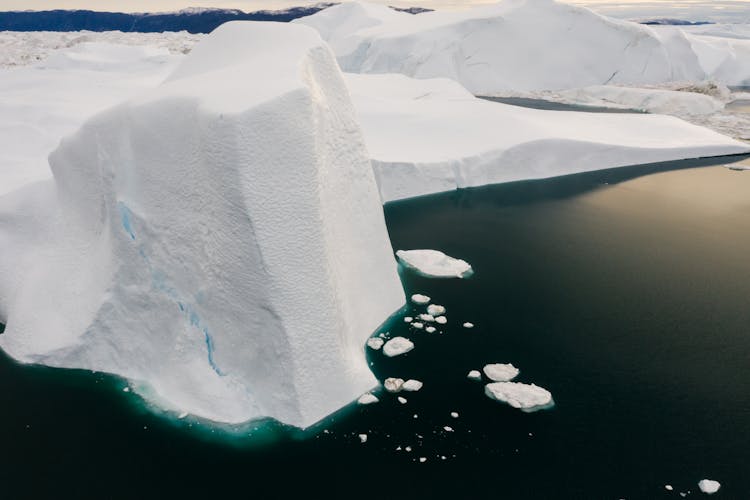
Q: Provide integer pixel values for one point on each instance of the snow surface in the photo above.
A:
(397, 346)
(218, 239)
(709, 486)
(429, 136)
(434, 264)
(488, 48)
(501, 372)
(526, 397)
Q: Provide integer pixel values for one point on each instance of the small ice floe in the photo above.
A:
(430, 329)
(435, 310)
(474, 375)
(468, 325)
(418, 298)
(367, 399)
(408, 448)
(441, 320)
(408, 319)
(448, 428)
(363, 438)
(709, 486)
(412, 385)
(417, 325)
(525, 397)
(454, 414)
(401, 400)
(182, 415)
(422, 460)
(397, 346)
(434, 264)
(501, 372)
(668, 487)
(375, 343)
(392, 384)
(429, 318)
(738, 168)
(126, 389)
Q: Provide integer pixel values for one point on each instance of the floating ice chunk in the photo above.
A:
(468, 325)
(474, 375)
(668, 487)
(408, 448)
(709, 486)
(448, 428)
(526, 397)
(430, 329)
(420, 299)
(126, 389)
(412, 385)
(367, 399)
(427, 317)
(417, 325)
(499, 372)
(454, 414)
(375, 343)
(363, 438)
(441, 319)
(402, 400)
(393, 384)
(182, 415)
(435, 310)
(434, 264)
(422, 459)
(408, 319)
(397, 346)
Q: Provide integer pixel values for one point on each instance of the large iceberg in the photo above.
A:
(519, 45)
(432, 135)
(218, 240)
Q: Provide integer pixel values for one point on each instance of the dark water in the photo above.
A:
(528, 102)
(629, 299)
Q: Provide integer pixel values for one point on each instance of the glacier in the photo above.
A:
(217, 239)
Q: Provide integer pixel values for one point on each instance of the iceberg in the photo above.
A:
(526, 397)
(434, 264)
(412, 385)
(488, 48)
(431, 136)
(218, 240)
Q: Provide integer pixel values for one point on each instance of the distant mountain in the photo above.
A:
(194, 19)
(672, 22)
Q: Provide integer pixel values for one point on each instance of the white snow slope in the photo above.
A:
(218, 239)
(523, 45)
(428, 136)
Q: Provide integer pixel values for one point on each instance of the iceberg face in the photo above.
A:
(488, 49)
(219, 240)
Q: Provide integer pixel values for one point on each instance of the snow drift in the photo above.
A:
(219, 239)
(517, 45)
(428, 136)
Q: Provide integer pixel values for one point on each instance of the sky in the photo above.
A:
(722, 10)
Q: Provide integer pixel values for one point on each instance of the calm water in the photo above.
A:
(629, 299)
(529, 102)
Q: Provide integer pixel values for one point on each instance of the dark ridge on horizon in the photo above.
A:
(672, 22)
(191, 20)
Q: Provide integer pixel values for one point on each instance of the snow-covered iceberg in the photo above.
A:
(513, 45)
(428, 136)
(434, 264)
(218, 240)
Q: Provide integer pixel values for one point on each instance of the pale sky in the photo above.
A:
(728, 9)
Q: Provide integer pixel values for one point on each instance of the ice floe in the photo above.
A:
(397, 346)
(501, 372)
(367, 399)
(375, 343)
(412, 385)
(526, 397)
(434, 264)
(393, 384)
(709, 486)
